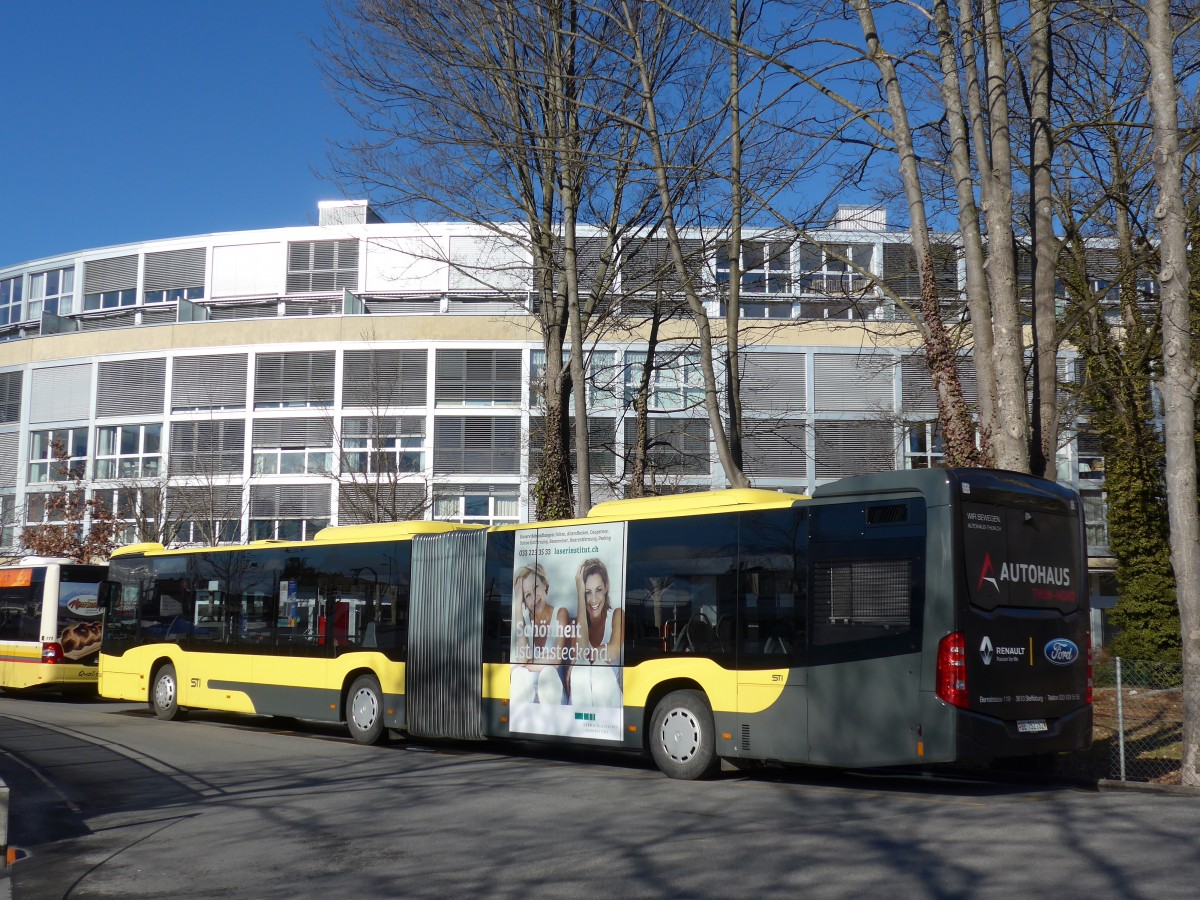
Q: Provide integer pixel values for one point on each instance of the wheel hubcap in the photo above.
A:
(364, 709)
(164, 692)
(680, 735)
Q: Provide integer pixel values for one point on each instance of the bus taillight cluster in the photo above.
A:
(52, 653)
(952, 669)
(1088, 695)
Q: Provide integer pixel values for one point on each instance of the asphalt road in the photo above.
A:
(110, 802)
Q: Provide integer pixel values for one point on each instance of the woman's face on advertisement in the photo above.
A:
(595, 594)
(528, 595)
(533, 591)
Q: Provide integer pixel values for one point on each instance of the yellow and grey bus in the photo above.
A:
(910, 617)
(49, 625)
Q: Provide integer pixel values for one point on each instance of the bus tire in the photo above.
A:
(682, 736)
(364, 710)
(164, 694)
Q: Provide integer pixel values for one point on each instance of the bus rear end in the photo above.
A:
(50, 627)
(1018, 665)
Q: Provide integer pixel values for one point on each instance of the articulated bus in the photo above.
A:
(905, 618)
(49, 625)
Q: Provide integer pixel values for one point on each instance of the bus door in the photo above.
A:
(214, 674)
(772, 636)
(230, 622)
(298, 662)
(867, 561)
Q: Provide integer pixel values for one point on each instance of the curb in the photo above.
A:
(1147, 787)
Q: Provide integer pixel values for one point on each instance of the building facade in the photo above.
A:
(250, 385)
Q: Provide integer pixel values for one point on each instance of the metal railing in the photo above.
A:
(1138, 714)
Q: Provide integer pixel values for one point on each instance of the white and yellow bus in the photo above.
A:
(50, 625)
(904, 618)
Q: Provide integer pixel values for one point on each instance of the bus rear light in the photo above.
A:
(1087, 697)
(952, 670)
(52, 653)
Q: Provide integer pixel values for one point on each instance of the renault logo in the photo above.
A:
(985, 650)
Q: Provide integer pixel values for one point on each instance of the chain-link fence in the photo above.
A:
(1138, 716)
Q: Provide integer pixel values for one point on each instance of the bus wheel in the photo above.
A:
(682, 739)
(364, 710)
(164, 693)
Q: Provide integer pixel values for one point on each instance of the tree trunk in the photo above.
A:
(1178, 384)
(552, 490)
(733, 379)
(1045, 246)
(979, 302)
(662, 181)
(641, 406)
(1011, 440)
(958, 430)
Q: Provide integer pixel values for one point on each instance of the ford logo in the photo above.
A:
(1061, 652)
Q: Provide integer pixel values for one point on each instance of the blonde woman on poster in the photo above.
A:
(540, 632)
(598, 639)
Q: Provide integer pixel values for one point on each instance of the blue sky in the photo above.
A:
(130, 119)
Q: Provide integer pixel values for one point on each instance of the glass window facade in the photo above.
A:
(109, 299)
(766, 267)
(57, 455)
(11, 292)
(174, 294)
(52, 291)
(128, 451)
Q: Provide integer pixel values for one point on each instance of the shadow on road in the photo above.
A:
(52, 793)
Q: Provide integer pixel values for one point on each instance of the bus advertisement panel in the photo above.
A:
(78, 618)
(567, 636)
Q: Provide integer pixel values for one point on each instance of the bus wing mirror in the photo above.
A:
(108, 594)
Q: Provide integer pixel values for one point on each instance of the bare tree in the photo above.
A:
(1104, 187)
(888, 129)
(497, 115)
(72, 525)
(681, 109)
(1159, 31)
(1179, 382)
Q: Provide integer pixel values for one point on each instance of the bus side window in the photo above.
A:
(22, 609)
(10, 622)
(681, 588)
(868, 568)
(773, 599)
(497, 597)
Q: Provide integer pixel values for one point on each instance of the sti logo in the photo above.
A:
(988, 574)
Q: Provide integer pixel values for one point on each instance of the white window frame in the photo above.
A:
(146, 461)
(832, 275)
(766, 267)
(481, 505)
(62, 299)
(923, 446)
(11, 297)
(44, 468)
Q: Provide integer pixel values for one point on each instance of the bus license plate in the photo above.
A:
(1029, 726)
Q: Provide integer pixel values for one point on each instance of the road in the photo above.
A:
(110, 802)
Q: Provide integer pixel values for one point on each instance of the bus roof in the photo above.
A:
(697, 503)
(339, 534)
(668, 505)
